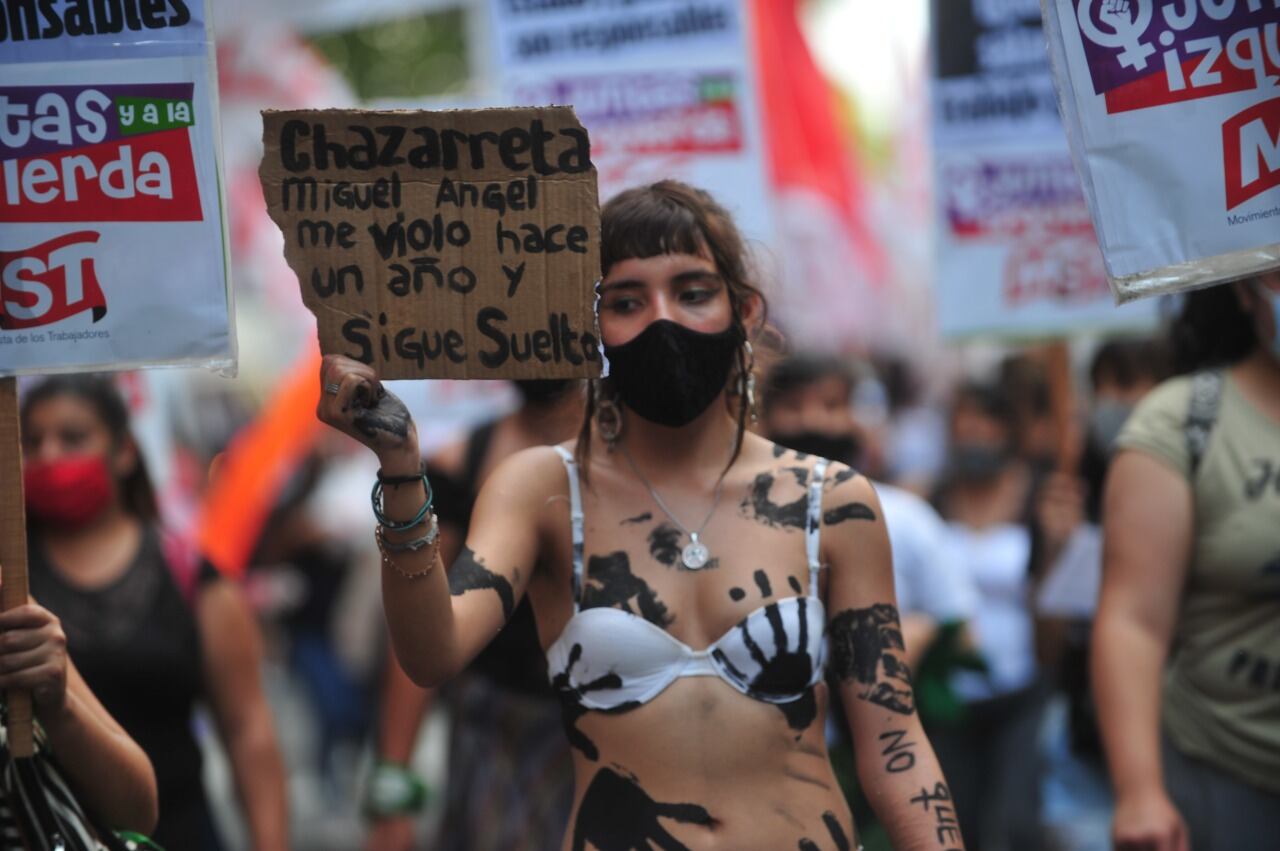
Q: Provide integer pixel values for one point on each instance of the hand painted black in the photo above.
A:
(762, 582)
(617, 815)
(638, 519)
(610, 582)
(795, 585)
(469, 574)
(386, 413)
(736, 594)
(865, 641)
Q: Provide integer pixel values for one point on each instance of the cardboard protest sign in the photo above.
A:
(1173, 113)
(449, 244)
(1017, 254)
(112, 250)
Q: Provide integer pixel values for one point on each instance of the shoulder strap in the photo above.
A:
(575, 517)
(814, 524)
(1202, 412)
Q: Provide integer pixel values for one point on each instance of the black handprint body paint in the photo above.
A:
(758, 503)
(571, 708)
(610, 582)
(787, 672)
(469, 574)
(837, 835)
(618, 815)
(866, 646)
(664, 544)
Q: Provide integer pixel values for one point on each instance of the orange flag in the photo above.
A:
(256, 466)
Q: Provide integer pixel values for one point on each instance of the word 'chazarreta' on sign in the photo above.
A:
(451, 244)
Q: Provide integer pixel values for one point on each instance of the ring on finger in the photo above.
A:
(332, 389)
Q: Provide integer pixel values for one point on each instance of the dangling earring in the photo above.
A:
(747, 383)
(608, 418)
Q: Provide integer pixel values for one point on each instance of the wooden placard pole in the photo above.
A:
(1062, 401)
(13, 551)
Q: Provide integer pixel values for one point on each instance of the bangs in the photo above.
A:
(640, 223)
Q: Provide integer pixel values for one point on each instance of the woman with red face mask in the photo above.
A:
(686, 576)
(152, 632)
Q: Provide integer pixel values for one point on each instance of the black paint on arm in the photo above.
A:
(848, 511)
(867, 648)
(469, 574)
(762, 582)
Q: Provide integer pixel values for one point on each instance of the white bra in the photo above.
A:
(611, 660)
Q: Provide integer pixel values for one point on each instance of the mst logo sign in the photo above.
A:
(1251, 152)
(49, 282)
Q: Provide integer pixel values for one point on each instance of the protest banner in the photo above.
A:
(1017, 254)
(112, 249)
(665, 88)
(447, 244)
(1173, 113)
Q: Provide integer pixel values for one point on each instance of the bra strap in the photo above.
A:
(811, 533)
(575, 516)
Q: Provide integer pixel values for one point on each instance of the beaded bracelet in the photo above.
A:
(376, 498)
(431, 539)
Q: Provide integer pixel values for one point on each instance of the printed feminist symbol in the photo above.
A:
(1128, 20)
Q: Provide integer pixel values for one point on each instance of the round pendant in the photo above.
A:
(695, 555)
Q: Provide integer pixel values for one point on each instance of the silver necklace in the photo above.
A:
(695, 554)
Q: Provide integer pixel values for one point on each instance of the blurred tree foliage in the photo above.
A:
(401, 58)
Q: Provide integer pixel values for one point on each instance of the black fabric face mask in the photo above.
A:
(669, 374)
(844, 448)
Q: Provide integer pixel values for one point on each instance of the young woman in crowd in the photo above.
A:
(1186, 643)
(683, 572)
(151, 631)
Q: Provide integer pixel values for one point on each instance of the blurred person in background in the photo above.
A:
(108, 775)
(1186, 644)
(1078, 803)
(672, 745)
(509, 780)
(989, 750)
(808, 405)
(915, 441)
(151, 627)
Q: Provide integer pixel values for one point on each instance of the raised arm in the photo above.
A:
(1147, 523)
(896, 765)
(437, 623)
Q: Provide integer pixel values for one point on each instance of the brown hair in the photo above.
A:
(670, 217)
